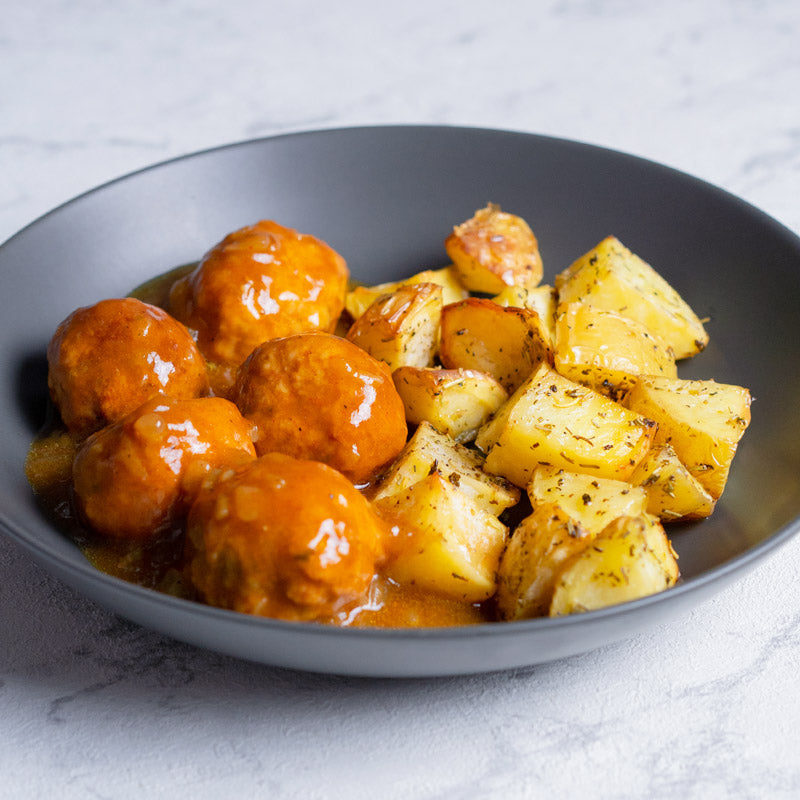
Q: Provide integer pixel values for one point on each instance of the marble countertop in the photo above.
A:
(93, 706)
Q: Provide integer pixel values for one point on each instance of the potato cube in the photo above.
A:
(612, 277)
(401, 328)
(541, 299)
(506, 342)
(672, 491)
(702, 420)
(554, 422)
(446, 277)
(532, 559)
(455, 401)
(359, 299)
(606, 350)
(443, 540)
(494, 249)
(589, 500)
(430, 451)
(631, 558)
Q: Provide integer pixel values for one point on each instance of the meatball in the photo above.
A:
(260, 282)
(286, 538)
(137, 478)
(107, 359)
(315, 395)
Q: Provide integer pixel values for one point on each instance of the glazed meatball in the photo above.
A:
(137, 477)
(107, 359)
(260, 282)
(286, 538)
(315, 395)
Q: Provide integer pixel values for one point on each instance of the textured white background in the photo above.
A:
(92, 706)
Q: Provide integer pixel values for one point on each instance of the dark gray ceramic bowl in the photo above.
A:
(386, 198)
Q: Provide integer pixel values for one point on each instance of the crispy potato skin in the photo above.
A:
(135, 478)
(494, 249)
(317, 396)
(259, 283)
(362, 297)
(541, 299)
(401, 328)
(105, 360)
(506, 342)
(284, 537)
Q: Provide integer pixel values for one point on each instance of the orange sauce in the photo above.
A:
(156, 290)
(411, 607)
(159, 564)
(48, 468)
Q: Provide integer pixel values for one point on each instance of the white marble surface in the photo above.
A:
(92, 706)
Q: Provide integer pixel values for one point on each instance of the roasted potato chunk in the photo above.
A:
(455, 401)
(631, 558)
(672, 491)
(430, 451)
(443, 540)
(401, 328)
(507, 342)
(361, 298)
(552, 421)
(606, 350)
(702, 420)
(612, 277)
(532, 559)
(541, 299)
(593, 502)
(494, 249)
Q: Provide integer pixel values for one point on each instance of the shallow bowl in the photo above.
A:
(385, 198)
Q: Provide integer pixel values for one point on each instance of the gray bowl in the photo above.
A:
(386, 198)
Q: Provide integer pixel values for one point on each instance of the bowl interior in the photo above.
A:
(386, 198)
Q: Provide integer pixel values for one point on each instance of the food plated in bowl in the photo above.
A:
(294, 491)
(560, 188)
